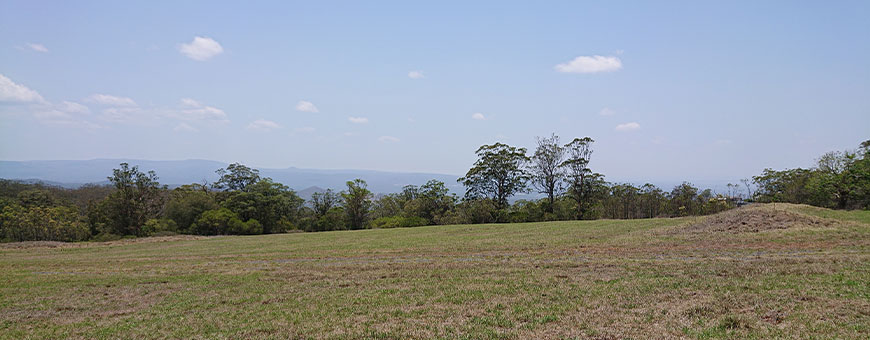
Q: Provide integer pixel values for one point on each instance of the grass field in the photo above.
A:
(608, 279)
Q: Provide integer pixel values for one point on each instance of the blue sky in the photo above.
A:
(669, 90)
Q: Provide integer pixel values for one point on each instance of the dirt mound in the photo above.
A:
(753, 219)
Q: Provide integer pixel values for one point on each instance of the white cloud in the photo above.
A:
(73, 107)
(628, 126)
(65, 113)
(478, 116)
(606, 112)
(11, 92)
(192, 110)
(190, 102)
(201, 49)
(125, 115)
(37, 47)
(263, 125)
(388, 139)
(108, 100)
(416, 74)
(590, 64)
(358, 120)
(305, 106)
(184, 127)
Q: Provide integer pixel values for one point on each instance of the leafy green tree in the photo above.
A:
(137, 198)
(322, 202)
(236, 177)
(431, 201)
(357, 203)
(497, 174)
(789, 186)
(580, 179)
(546, 169)
(159, 227)
(653, 200)
(274, 205)
(389, 205)
(474, 211)
(225, 222)
(186, 203)
(38, 198)
(684, 199)
(37, 223)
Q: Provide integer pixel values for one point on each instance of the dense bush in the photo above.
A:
(161, 226)
(35, 223)
(398, 222)
(225, 222)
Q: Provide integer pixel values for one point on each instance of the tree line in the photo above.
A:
(839, 180)
(241, 202)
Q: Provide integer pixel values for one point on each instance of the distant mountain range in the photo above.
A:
(71, 174)
(174, 173)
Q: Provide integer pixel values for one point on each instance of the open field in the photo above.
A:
(794, 272)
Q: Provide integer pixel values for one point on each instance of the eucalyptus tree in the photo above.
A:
(357, 203)
(579, 177)
(545, 169)
(498, 173)
(321, 202)
(236, 177)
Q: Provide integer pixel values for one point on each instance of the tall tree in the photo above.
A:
(236, 177)
(578, 175)
(545, 169)
(137, 197)
(357, 203)
(272, 204)
(321, 202)
(497, 174)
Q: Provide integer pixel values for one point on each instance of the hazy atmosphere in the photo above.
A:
(669, 91)
(491, 170)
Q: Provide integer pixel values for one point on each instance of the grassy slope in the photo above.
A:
(599, 279)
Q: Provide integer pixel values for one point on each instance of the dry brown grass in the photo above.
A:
(562, 280)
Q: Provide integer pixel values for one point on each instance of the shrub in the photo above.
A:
(398, 222)
(42, 224)
(251, 227)
(106, 237)
(216, 222)
(154, 226)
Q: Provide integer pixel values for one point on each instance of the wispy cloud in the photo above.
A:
(109, 100)
(358, 120)
(66, 113)
(388, 139)
(263, 125)
(590, 64)
(10, 92)
(184, 127)
(37, 47)
(192, 110)
(632, 126)
(201, 48)
(606, 112)
(306, 106)
(478, 116)
(416, 75)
